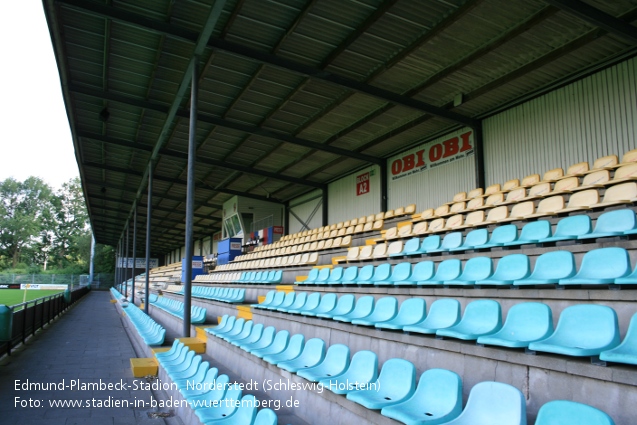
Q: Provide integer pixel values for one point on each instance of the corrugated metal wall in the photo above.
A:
(342, 202)
(431, 188)
(593, 117)
(303, 206)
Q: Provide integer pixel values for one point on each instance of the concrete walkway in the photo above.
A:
(87, 344)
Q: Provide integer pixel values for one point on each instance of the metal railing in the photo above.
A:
(30, 316)
(102, 280)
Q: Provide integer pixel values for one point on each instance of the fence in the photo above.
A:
(33, 315)
(100, 280)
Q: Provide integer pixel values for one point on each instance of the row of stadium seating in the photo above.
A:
(176, 308)
(336, 242)
(587, 330)
(436, 399)
(308, 258)
(226, 295)
(213, 398)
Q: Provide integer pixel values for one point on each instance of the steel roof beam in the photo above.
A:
(171, 210)
(598, 18)
(271, 59)
(206, 161)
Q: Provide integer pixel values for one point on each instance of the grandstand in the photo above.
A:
(417, 212)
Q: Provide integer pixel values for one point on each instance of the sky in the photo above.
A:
(35, 137)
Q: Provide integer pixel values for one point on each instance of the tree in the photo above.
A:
(24, 210)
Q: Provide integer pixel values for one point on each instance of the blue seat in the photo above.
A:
(473, 239)
(191, 381)
(344, 305)
(601, 266)
(288, 301)
(481, 317)
(292, 351)
(381, 274)
(396, 383)
(400, 273)
(224, 326)
(349, 276)
(245, 332)
(245, 414)
(212, 387)
(510, 408)
(525, 323)
(549, 268)
(570, 228)
(565, 412)
(501, 235)
(275, 301)
(327, 303)
(313, 353)
(253, 336)
(626, 352)
(510, 268)
(362, 370)
(532, 232)
(277, 278)
(311, 277)
(583, 330)
(181, 364)
(365, 275)
(266, 417)
(266, 338)
(225, 408)
(613, 223)
(447, 270)
(476, 268)
(450, 241)
(412, 311)
(299, 301)
(443, 313)
(311, 303)
(278, 344)
(421, 273)
(630, 279)
(411, 247)
(363, 308)
(438, 399)
(384, 309)
(323, 276)
(429, 243)
(334, 363)
(336, 276)
(189, 371)
(236, 329)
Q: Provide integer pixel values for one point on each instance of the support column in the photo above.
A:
(324, 205)
(149, 212)
(478, 149)
(190, 194)
(286, 218)
(116, 281)
(134, 250)
(383, 186)
(126, 258)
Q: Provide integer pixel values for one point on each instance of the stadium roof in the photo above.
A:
(294, 94)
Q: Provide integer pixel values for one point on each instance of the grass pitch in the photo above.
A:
(11, 297)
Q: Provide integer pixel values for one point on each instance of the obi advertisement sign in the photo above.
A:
(432, 155)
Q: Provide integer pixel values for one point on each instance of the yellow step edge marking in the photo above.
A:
(372, 241)
(285, 288)
(261, 298)
(244, 312)
(143, 367)
(336, 260)
(402, 224)
(195, 344)
(301, 278)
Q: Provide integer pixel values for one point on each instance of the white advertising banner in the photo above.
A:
(140, 263)
(41, 286)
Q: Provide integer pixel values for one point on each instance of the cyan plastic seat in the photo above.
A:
(299, 301)
(311, 303)
(288, 301)
(344, 305)
(335, 276)
(277, 278)
(245, 332)
(182, 362)
(510, 268)
(313, 353)
(172, 354)
(601, 266)
(362, 370)
(400, 273)
(481, 317)
(326, 303)
(349, 275)
(443, 313)
(613, 223)
(473, 239)
(450, 241)
(266, 338)
(421, 273)
(396, 383)
(447, 270)
(311, 277)
(565, 412)
(191, 381)
(245, 414)
(236, 329)
(224, 326)
(483, 409)
(630, 279)
(363, 308)
(266, 417)
(365, 275)
(211, 388)
(253, 336)
(226, 408)
(412, 311)
(385, 309)
(582, 330)
(532, 232)
(476, 268)
(570, 228)
(292, 351)
(382, 273)
(188, 372)
(411, 247)
(323, 276)
(429, 243)
(275, 301)
(501, 235)
(438, 399)
(278, 344)
(549, 268)
(334, 363)
(525, 323)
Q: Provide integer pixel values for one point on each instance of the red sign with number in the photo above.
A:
(362, 184)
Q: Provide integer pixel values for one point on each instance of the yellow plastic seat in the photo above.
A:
(618, 194)
(473, 219)
(421, 228)
(604, 163)
(441, 211)
(566, 185)
(425, 215)
(475, 193)
(521, 211)
(625, 173)
(437, 225)
(349, 230)
(388, 214)
(530, 180)
(391, 233)
(475, 203)
(359, 228)
(553, 175)
(577, 169)
(538, 191)
(549, 206)
(454, 222)
(405, 230)
(583, 200)
(497, 214)
(398, 212)
(458, 197)
(515, 195)
(346, 241)
(379, 216)
(410, 209)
